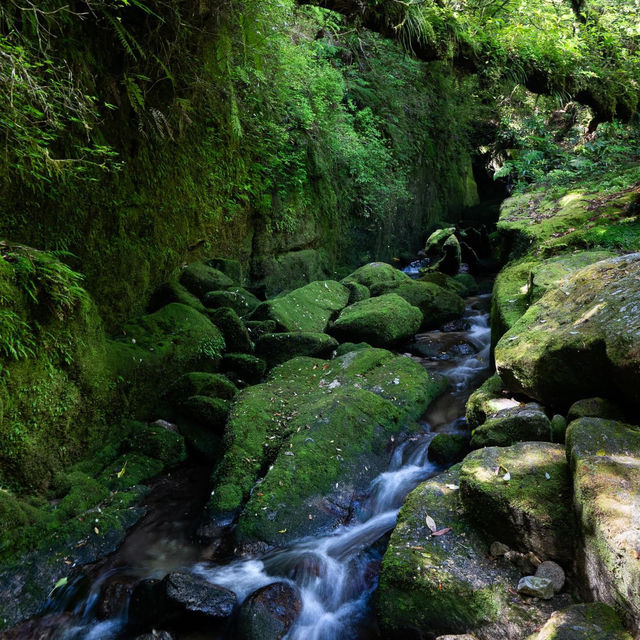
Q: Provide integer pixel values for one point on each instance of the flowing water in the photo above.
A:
(336, 574)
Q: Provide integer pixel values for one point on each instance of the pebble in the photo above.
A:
(536, 587)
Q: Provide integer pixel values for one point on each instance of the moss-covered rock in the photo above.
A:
(446, 256)
(199, 383)
(579, 340)
(438, 305)
(277, 348)
(157, 442)
(210, 412)
(376, 273)
(272, 420)
(447, 448)
(435, 242)
(357, 291)
(156, 349)
(488, 400)
(347, 347)
(526, 422)
(244, 367)
(231, 268)
(527, 503)
(594, 408)
(605, 460)
(129, 470)
(240, 300)
(446, 282)
(380, 321)
(521, 283)
(173, 291)
(199, 278)
(591, 621)
(258, 328)
(309, 308)
(471, 286)
(236, 335)
(558, 428)
(447, 583)
(289, 269)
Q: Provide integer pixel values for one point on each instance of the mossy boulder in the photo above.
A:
(129, 470)
(438, 305)
(240, 300)
(447, 260)
(470, 284)
(605, 461)
(290, 269)
(446, 282)
(156, 349)
(447, 448)
(488, 400)
(357, 291)
(277, 348)
(579, 340)
(435, 242)
(199, 383)
(347, 347)
(309, 308)
(305, 404)
(244, 367)
(521, 496)
(432, 585)
(590, 621)
(157, 442)
(384, 320)
(521, 283)
(231, 268)
(376, 273)
(594, 408)
(236, 335)
(526, 422)
(209, 412)
(258, 328)
(199, 278)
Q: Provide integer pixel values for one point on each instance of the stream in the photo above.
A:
(336, 574)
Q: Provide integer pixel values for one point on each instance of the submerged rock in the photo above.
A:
(521, 495)
(579, 340)
(592, 621)
(605, 461)
(380, 321)
(269, 612)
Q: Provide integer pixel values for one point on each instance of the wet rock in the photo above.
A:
(594, 408)
(147, 605)
(236, 335)
(488, 400)
(498, 549)
(526, 489)
(446, 282)
(447, 584)
(447, 448)
(553, 572)
(277, 348)
(210, 412)
(380, 321)
(185, 592)
(536, 587)
(269, 613)
(200, 278)
(197, 383)
(605, 461)
(347, 347)
(45, 628)
(114, 597)
(580, 339)
(592, 621)
(522, 423)
(309, 308)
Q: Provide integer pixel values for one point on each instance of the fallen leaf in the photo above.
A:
(506, 477)
(453, 487)
(431, 523)
(121, 472)
(282, 531)
(441, 532)
(96, 530)
(310, 517)
(600, 452)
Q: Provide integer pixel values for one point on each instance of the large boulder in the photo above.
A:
(579, 340)
(605, 461)
(309, 308)
(524, 422)
(438, 305)
(591, 621)
(236, 335)
(447, 583)
(488, 400)
(454, 285)
(240, 300)
(317, 423)
(521, 496)
(594, 408)
(384, 320)
(376, 273)
(269, 612)
(200, 278)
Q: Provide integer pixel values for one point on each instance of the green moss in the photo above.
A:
(200, 279)
(387, 319)
(277, 348)
(518, 424)
(158, 443)
(309, 308)
(469, 283)
(448, 448)
(130, 470)
(258, 328)
(199, 383)
(446, 282)
(235, 334)
(435, 242)
(591, 621)
(240, 300)
(594, 408)
(347, 347)
(209, 412)
(85, 492)
(487, 400)
(173, 291)
(376, 273)
(357, 291)
(246, 368)
(231, 268)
